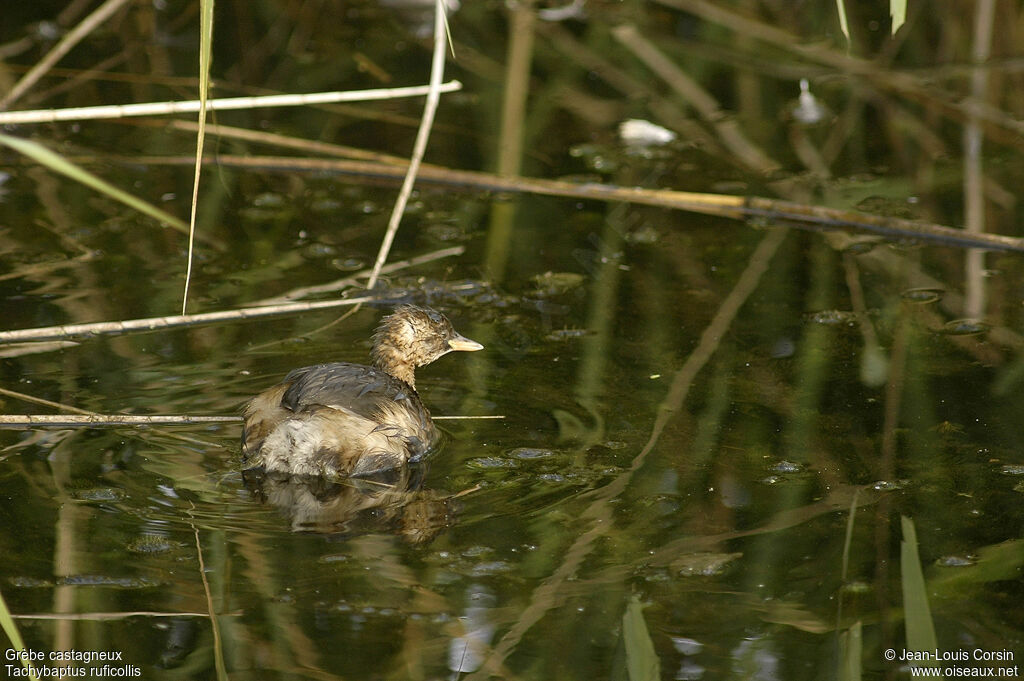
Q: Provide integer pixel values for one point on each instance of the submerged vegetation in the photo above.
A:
(746, 279)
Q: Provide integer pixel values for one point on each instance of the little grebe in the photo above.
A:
(349, 419)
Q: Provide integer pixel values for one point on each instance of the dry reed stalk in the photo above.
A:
(90, 113)
(139, 420)
(974, 176)
(93, 420)
(723, 205)
(265, 308)
(66, 331)
(106, 616)
(283, 141)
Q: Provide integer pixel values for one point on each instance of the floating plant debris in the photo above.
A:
(348, 264)
(787, 467)
(567, 334)
(106, 580)
(888, 206)
(888, 485)
(859, 246)
(152, 543)
(531, 453)
(833, 317)
(556, 283)
(965, 327)
(30, 582)
(923, 295)
(703, 564)
(641, 133)
(100, 494)
(492, 462)
(597, 158)
(856, 587)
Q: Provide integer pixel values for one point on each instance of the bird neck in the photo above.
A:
(391, 360)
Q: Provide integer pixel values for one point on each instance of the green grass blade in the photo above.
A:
(916, 613)
(898, 12)
(205, 57)
(7, 624)
(851, 643)
(843, 25)
(641, 660)
(57, 163)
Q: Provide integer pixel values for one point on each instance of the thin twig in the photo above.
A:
(278, 140)
(94, 420)
(85, 417)
(46, 403)
(420, 147)
(90, 113)
(214, 624)
(24, 349)
(468, 418)
(154, 323)
(105, 616)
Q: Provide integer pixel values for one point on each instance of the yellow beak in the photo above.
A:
(464, 344)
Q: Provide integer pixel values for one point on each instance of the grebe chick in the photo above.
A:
(342, 419)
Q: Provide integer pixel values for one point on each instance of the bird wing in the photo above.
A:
(361, 390)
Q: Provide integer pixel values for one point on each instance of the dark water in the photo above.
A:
(726, 448)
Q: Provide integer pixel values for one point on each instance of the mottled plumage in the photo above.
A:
(349, 419)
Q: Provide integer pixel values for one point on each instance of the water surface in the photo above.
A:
(726, 447)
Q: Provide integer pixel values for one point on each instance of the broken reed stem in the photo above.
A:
(89, 113)
(420, 146)
(722, 205)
